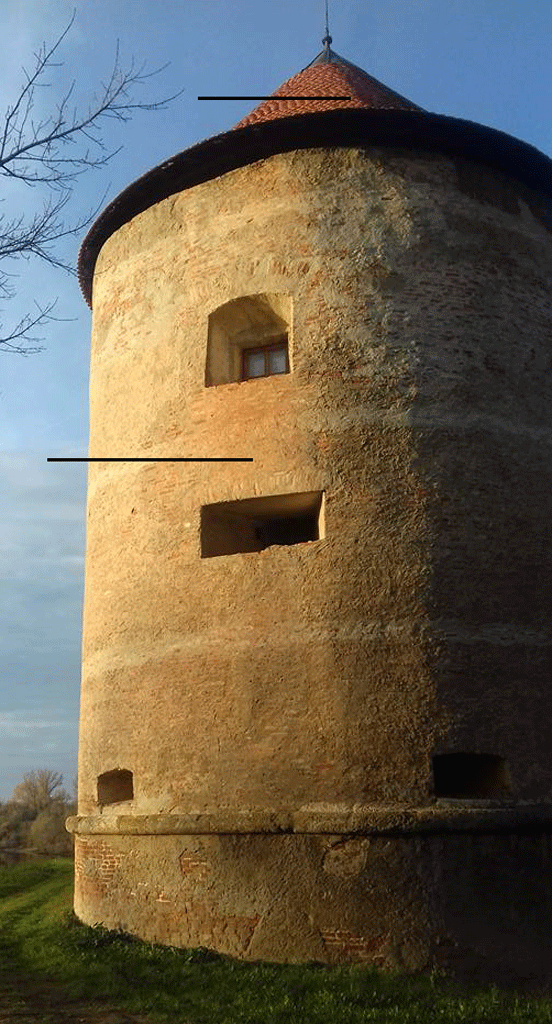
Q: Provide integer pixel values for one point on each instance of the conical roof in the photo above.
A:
(331, 103)
(314, 90)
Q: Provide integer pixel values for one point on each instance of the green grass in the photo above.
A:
(45, 953)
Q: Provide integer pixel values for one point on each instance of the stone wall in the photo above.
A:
(473, 902)
(326, 673)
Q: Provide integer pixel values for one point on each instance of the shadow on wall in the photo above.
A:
(480, 405)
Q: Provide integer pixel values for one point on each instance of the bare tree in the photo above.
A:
(39, 790)
(49, 153)
(47, 834)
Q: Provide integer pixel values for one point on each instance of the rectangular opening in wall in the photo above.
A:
(475, 776)
(231, 527)
(115, 786)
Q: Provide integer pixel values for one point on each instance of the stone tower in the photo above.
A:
(316, 697)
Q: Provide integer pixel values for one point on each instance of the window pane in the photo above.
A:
(277, 360)
(254, 364)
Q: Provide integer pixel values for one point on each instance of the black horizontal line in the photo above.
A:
(282, 98)
(150, 460)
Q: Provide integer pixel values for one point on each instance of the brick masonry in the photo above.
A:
(329, 672)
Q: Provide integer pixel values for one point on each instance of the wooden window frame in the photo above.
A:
(265, 349)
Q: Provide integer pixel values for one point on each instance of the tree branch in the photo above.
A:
(51, 153)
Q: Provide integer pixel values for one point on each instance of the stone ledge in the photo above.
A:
(442, 816)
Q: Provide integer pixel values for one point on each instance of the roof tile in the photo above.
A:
(328, 75)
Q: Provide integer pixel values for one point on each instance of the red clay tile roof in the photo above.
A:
(376, 116)
(328, 75)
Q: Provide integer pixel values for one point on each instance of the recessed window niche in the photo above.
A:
(249, 338)
(470, 776)
(231, 527)
(115, 786)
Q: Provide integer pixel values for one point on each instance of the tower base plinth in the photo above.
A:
(476, 903)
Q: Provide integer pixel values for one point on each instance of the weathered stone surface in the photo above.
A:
(325, 673)
(476, 904)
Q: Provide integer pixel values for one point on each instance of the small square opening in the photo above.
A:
(470, 776)
(232, 527)
(115, 786)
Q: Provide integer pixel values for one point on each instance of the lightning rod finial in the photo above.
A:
(327, 38)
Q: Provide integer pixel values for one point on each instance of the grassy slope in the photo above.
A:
(42, 946)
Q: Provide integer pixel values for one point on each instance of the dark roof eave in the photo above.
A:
(334, 128)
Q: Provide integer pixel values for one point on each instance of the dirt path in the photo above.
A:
(48, 1004)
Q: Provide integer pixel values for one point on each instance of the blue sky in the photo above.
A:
(483, 60)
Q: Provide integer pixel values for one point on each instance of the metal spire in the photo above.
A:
(327, 38)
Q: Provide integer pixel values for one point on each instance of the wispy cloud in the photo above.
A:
(41, 549)
(17, 724)
(42, 570)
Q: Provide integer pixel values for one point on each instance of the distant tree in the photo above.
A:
(47, 833)
(39, 790)
(35, 816)
(15, 820)
(47, 154)
(73, 803)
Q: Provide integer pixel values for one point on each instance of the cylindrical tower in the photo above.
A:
(316, 689)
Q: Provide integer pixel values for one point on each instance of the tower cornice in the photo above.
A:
(411, 129)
